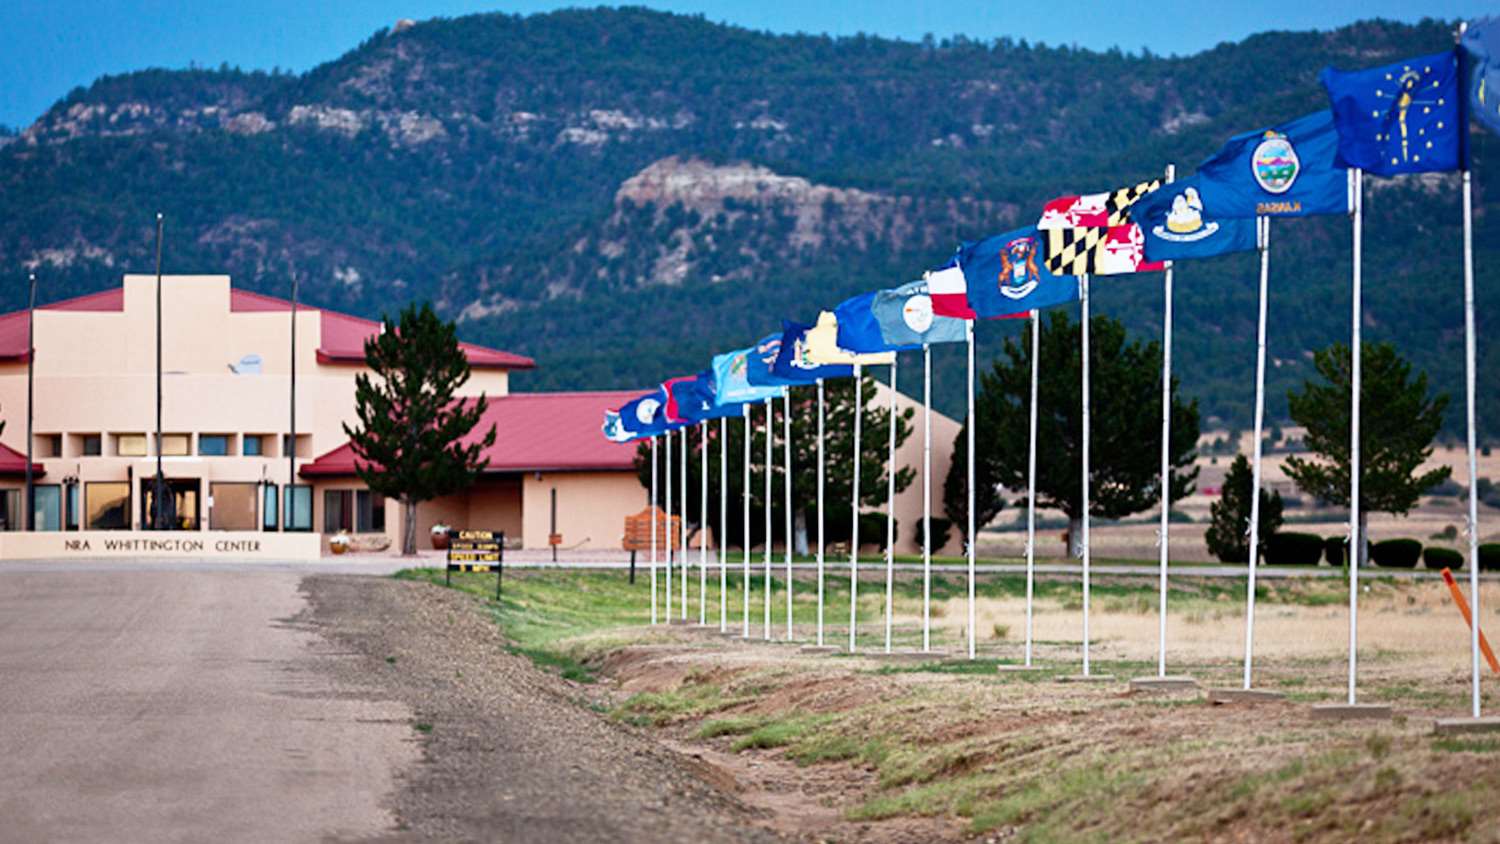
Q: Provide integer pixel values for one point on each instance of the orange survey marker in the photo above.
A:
(1463, 607)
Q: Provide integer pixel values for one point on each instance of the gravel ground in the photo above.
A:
(511, 753)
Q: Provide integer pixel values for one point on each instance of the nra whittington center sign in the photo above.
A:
(225, 545)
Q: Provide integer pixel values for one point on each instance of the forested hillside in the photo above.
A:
(621, 193)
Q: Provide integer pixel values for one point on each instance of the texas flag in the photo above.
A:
(949, 292)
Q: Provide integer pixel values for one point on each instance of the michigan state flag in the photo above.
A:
(792, 362)
(1006, 275)
(1177, 224)
(1288, 170)
(732, 383)
(907, 320)
(1480, 54)
(1401, 118)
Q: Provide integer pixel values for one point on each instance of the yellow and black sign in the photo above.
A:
(477, 551)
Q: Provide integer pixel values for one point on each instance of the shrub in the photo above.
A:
(940, 528)
(1449, 488)
(1334, 550)
(1396, 553)
(1290, 548)
(1489, 557)
(1442, 558)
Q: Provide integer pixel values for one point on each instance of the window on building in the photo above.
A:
(252, 446)
(174, 445)
(10, 510)
(370, 507)
(47, 506)
(234, 506)
(286, 445)
(108, 504)
(93, 445)
(49, 445)
(130, 445)
(268, 508)
(298, 507)
(213, 445)
(73, 510)
(338, 510)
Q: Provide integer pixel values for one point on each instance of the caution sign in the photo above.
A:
(477, 551)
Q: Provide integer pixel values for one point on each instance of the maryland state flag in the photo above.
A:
(1094, 233)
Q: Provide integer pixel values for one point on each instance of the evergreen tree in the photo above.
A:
(1125, 427)
(1227, 535)
(1398, 421)
(413, 438)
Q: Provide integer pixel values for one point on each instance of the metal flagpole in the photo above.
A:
(1263, 232)
(1473, 464)
(926, 497)
(670, 537)
(890, 512)
(859, 399)
(1166, 457)
(158, 494)
(29, 518)
(1036, 343)
(786, 461)
(703, 525)
(1356, 177)
(291, 448)
(652, 512)
(722, 544)
(973, 540)
(770, 463)
(1083, 298)
(683, 563)
(745, 537)
(820, 512)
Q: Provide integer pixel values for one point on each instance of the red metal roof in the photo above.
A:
(343, 338)
(534, 432)
(13, 462)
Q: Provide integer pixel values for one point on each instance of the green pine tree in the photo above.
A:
(1227, 535)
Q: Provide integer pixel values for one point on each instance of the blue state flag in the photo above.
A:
(906, 318)
(1177, 224)
(1006, 274)
(792, 362)
(762, 358)
(1401, 118)
(1480, 54)
(859, 329)
(644, 416)
(697, 400)
(731, 380)
(1288, 170)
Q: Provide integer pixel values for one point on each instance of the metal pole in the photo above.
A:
(1036, 346)
(670, 555)
(973, 540)
(745, 537)
(723, 523)
(1083, 298)
(1473, 463)
(854, 503)
(890, 511)
(1356, 544)
(786, 460)
(651, 510)
(770, 465)
(926, 497)
(156, 496)
(1263, 230)
(29, 517)
(820, 512)
(683, 563)
(703, 525)
(291, 450)
(1166, 460)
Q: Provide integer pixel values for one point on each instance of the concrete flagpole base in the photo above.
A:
(820, 649)
(1017, 669)
(904, 656)
(1163, 684)
(1351, 711)
(1086, 678)
(1223, 696)
(1449, 726)
(681, 622)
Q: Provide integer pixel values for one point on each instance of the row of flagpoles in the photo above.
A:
(1407, 117)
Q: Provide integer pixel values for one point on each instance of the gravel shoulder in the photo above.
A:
(510, 752)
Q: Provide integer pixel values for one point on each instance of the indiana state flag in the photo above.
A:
(1402, 118)
(906, 318)
(1177, 224)
(1480, 54)
(731, 380)
(1006, 275)
(792, 362)
(1288, 170)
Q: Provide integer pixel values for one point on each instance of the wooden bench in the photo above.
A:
(638, 533)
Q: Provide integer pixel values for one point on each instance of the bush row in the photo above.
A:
(1290, 548)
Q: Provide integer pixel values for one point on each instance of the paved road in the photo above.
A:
(155, 705)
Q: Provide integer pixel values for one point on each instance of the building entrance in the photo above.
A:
(184, 496)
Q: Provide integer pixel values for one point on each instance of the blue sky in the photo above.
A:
(52, 46)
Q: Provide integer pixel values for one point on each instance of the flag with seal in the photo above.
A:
(1006, 275)
(1400, 118)
(792, 362)
(731, 380)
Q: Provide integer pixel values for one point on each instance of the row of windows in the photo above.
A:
(236, 506)
(172, 445)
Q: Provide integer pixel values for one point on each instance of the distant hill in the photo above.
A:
(621, 193)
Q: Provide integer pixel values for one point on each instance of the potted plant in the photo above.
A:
(440, 536)
(339, 542)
